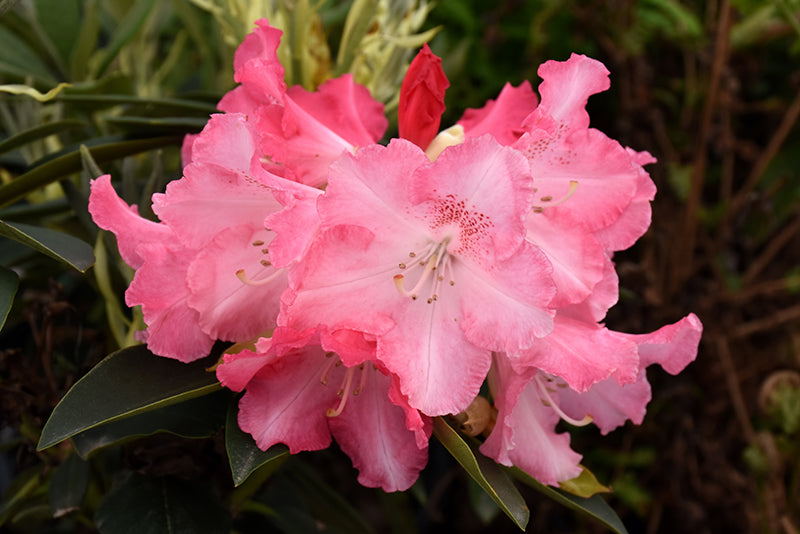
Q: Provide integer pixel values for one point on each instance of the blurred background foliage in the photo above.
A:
(711, 88)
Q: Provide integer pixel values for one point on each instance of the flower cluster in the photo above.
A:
(371, 287)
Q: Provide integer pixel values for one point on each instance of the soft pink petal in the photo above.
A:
(506, 308)
(583, 354)
(223, 300)
(112, 213)
(372, 432)
(480, 189)
(502, 117)
(608, 403)
(159, 286)
(236, 370)
(604, 295)
(567, 86)
(524, 434)
(673, 347)
(635, 220)
(578, 258)
(606, 176)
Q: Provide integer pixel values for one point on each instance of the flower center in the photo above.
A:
(265, 264)
(432, 266)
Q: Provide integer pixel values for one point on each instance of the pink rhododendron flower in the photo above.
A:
(304, 131)
(429, 258)
(195, 273)
(531, 401)
(301, 395)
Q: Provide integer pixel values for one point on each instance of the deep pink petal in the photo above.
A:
(311, 130)
(421, 104)
(257, 68)
(372, 432)
(159, 286)
(286, 402)
(502, 117)
(110, 212)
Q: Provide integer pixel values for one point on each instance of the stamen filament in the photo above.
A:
(548, 200)
(547, 400)
(245, 280)
(344, 393)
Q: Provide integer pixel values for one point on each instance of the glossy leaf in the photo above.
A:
(9, 281)
(68, 486)
(595, 506)
(485, 472)
(19, 60)
(196, 418)
(37, 132)
(58, 245)
(157, 105)
(138, 505)
(157, 125)
(244, 455)
(128, 382)
(53, 169)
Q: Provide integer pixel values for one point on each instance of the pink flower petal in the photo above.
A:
(110, 212)
(159, 286)
(502, 117)
(372, 432)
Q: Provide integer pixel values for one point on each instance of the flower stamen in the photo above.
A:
(548, 199)
(547, 400)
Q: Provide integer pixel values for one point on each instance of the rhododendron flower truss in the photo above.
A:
(430, 259)
(298, 394)
(198, 270)
(532, 400)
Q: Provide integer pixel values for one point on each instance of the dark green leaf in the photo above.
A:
(70, 162)
(68, 485)
(58, 245)
(138, 505)
(128, 382)
(195, 418)
(485, 472)
(37, 132)
(86, 41)
(156, 105)
(134, 19)
(329, 508)
(60, 23)
(594, 506)
(18, 59)
(157, 125)
(9, 281)
(243, 453)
